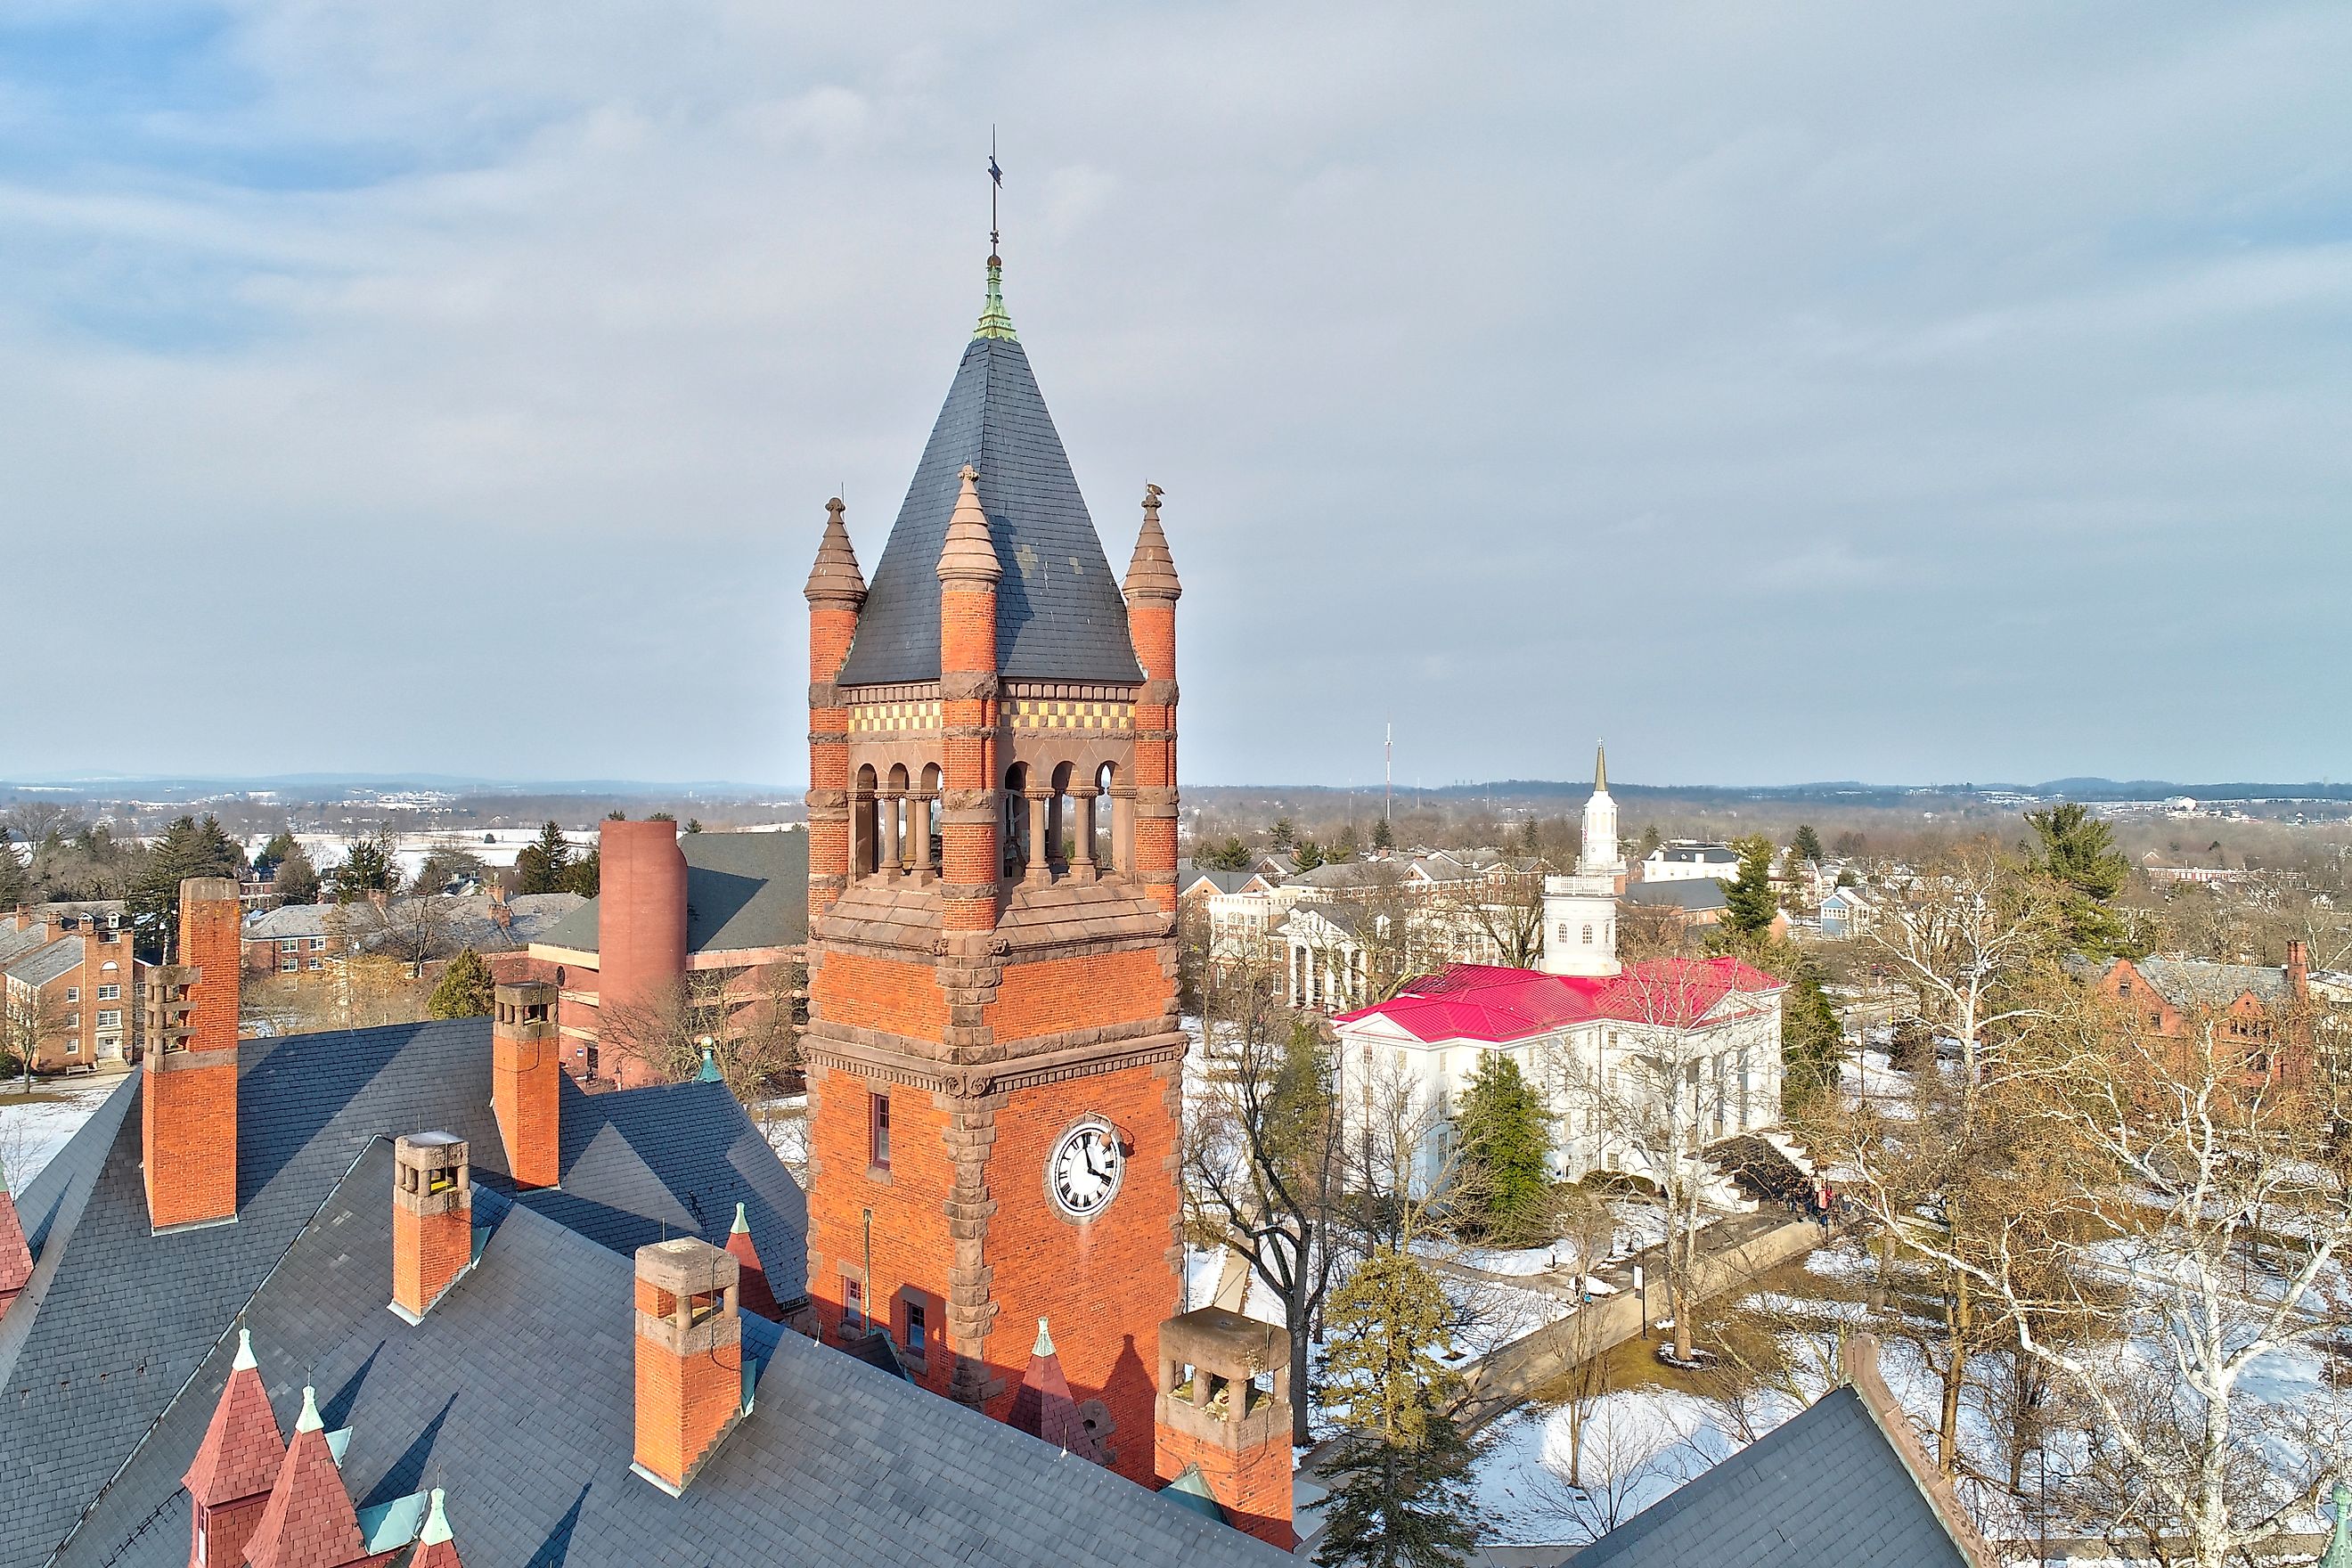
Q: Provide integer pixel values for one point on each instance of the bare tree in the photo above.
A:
(29, 1017)
(1502, 908)
(2211, 1188)
(1264, 1157)
(1969, 924)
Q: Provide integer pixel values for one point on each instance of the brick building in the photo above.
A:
(723, 910)
(72, 966)
(306, 938)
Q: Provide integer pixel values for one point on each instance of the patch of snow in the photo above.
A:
(31, 1132)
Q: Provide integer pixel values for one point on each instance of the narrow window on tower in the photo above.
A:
(917, 1330)
(878, 1130)
(853, 1308)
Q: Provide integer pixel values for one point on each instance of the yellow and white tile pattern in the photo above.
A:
(882, 718)
(1042, 713)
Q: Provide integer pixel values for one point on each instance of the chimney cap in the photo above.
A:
(430, 1140)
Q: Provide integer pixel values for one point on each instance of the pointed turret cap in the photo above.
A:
(16, 1255)
(1600, 768)
(969, 554)
(835, 578)
(2339, 1544)
(308, 1518)
(709, 1072)
(434, 1549)
(241, 1453)
(1043, 1408)
(752, 1280)
(1151, 571)
(994, 322)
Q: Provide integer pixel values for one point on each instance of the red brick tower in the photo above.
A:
(640, 933)
(527, 1080)
(1224, 1415)
(994, 1060)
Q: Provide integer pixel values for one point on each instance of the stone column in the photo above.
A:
(1041, 858)
(1081, 862)
(919, 830)
(890, 854)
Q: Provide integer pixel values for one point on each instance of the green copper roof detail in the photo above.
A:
(1190, 1489)
(2340, 1545)
(709, 1073)
(993, 321)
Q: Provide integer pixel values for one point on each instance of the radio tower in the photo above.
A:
(1388, 773)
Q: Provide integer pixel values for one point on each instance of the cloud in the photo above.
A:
(1628, 369)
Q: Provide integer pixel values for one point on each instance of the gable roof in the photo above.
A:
(2195, 981)
(744, 892)
(633, 1164)
(1694, 893)
(1499, 1006)
(1059, 611)
(59, 958)
(516, 1393)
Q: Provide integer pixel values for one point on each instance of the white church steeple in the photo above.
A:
(1580, 912)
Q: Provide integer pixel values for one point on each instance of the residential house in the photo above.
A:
(1848, 913)
(82, 975)
(1689, 859)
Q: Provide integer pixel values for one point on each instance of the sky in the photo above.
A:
(1791, 392)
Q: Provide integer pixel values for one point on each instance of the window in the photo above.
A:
(853, 1308)
(73, 1021)
(289, 966)
(109, 967)
(73, 1047)
(316, 964)
(289, 944)
(2122, 988)
(110, 1019)
(73, 993)
(1587, 936)
(877, 1130)
(917, 1330)
(1563, 931)
(318, 944)
(109, 992)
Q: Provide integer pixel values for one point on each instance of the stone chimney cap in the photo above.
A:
(209, 891)
(969, 554)
(1151, 571)
(430, 1139)
(834, 577)
(688, 1266)
(1223, 1341)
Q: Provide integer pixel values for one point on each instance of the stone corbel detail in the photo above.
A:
(967, 685)
(1159, 694)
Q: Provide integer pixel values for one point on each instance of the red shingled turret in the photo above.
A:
(236, 1466)
(15, 1256)
(757, 1298)
(308, 1522)
(1043, 1408)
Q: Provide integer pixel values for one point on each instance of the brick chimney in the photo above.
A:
(692, 1385)
(188, 1102)
(526, 1080)
(432, 1219)
(1213, 1418)
(640, 926)
(236, 1464)
(2298, 970)
(502, 912)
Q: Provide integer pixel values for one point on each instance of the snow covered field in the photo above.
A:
(31, 1132)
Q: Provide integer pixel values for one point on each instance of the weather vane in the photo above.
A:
(995, 184)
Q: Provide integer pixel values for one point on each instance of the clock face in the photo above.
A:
(1084, 1169)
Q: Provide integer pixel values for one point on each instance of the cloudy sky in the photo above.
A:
(1785, 393)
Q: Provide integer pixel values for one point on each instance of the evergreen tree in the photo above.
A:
(1528, 836)
(1505, 1142)
(540, 867)
(1748, 902)
(187, 849)
(1344, 848)
(1307, 853)
(15, 885)
(464, 991)
(694, 825)
(297, 878)
(281, 844)
(1284, 835)
(368, 867)
(1649, 842)
(581, 877)
(1399, 1481)
(2076, 852)
(1383, 836)
(1811, 1044)
(1233, 855)
(1807, 843)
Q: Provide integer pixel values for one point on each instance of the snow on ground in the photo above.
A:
(1639, 1444)
(31, 1132)
(784, 1120)
(1524, 1261)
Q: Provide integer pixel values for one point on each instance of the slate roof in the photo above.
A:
(1190, 877)
(743, 891)
(466, 920)
(1059, 611)
(1693, 894)
(516, 1393)
(2190, 982)
(47, 965)
(120, 1317)
(1825, 1490)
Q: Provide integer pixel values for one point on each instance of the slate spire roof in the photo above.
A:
(1151, 571)
(834, 575)
(1059, 613)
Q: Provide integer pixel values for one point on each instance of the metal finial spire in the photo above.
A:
(1600, 768)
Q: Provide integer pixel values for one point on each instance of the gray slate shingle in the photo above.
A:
(1059, 611)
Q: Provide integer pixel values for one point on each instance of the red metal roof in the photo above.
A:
(1495, 1006)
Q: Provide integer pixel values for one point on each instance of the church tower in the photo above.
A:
(1580, 912)
(993, 1054)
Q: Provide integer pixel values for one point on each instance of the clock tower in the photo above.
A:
(994, 1060)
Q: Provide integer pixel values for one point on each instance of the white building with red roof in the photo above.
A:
(1661, 1055)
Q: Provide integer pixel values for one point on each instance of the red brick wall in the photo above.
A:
(1104, 1286)
(1062, 994)
(209, 939)
(869, 992)
(525, 1094)
(683, 1403)
(427, 1250)
(1253, 1487)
